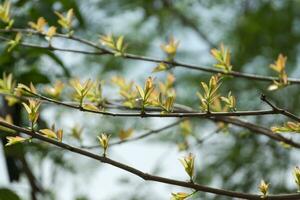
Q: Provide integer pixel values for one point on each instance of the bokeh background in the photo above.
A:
(256, 31)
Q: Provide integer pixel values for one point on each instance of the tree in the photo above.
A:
(222, 97)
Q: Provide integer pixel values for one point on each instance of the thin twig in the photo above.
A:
(210, 135)
(280, 110)
(52, 48)
(258, 129)
(147, 134)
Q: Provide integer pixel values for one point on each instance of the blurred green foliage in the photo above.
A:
(6, 194)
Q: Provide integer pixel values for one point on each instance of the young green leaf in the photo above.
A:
(76, 132)
(50, 33)
(81, 89)
(104, 141)
(15, 42)
(222, 56)
(15, 140)
(180, 196)
(279, 67)
(39, 26)
(188, 164)
(186, 127)
(5, 14)
(23, 89)
(287, 127)
(49, 133)
(32, 109)
(170, 48)
(160, 67)
(125, 134)
(66, 21)
(297, 177)
(117, 45)
(90, 106)
(166, 103)
(210, 93)
(230, 101)
(127, 91)
(264, 188)
(7, 84)
(55, 90)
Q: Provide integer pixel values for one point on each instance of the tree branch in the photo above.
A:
(188, 112)
(161, 115)
(104, 51)
(145, 176)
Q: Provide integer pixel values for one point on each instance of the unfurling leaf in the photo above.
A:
(186, 127)
(119, 43)
(167, 103)
(146, 93)
(183, 146)
(210, 93)
(95, 93)
(125, 134)
(90, 106)
(59, 135)
(76, 132)
(180, 196)
(170, 48)
(81, 89)
(263, 188)
(188, 164)
(126, 90)
(287, 127)
(167, 87)
(50, 33)
(15, 140)
(23, 89)
(39, 26)
(49, 133)
(160, 67)
(7, 84)
(66, 21)
(279, 67)
(5, 14)
(15, 42)
(230, 101)
(222, 56)
(116, 44)
(141, 91)
(32, 109)
(55, 90)
(149, 87)
(104, 141)
(297, 177)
